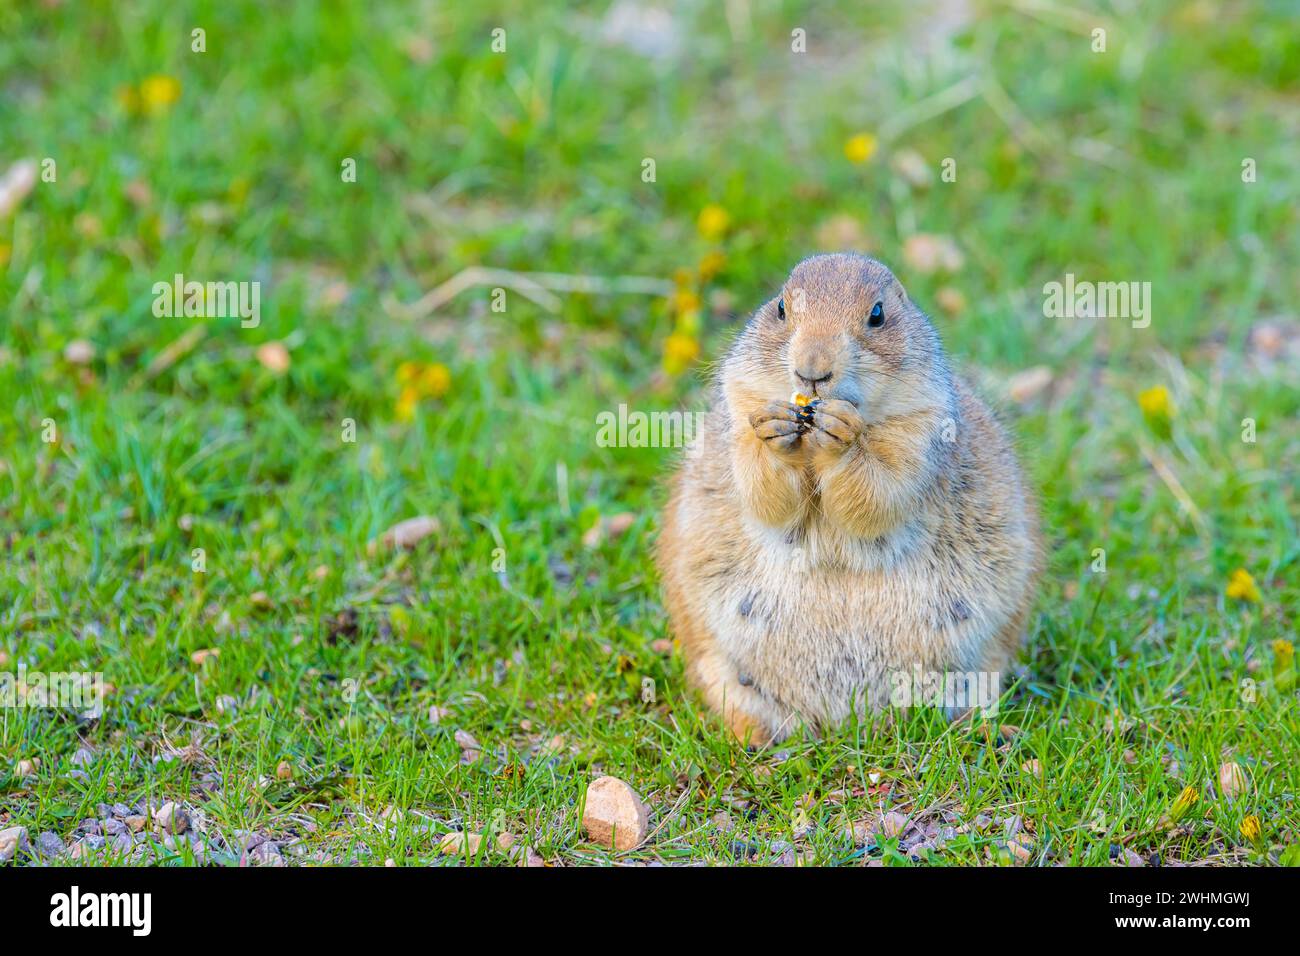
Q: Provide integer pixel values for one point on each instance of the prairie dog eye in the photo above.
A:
(877, 317)
(780, 309)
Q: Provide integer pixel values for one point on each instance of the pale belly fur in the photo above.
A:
(827, 626)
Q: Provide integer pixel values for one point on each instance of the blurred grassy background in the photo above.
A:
(181, 433)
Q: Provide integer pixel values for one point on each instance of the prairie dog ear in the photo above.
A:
(796, 300)
(901, 292)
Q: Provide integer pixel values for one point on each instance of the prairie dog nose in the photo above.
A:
(813, 357)
(812, 377)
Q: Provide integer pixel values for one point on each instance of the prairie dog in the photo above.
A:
(818, 556)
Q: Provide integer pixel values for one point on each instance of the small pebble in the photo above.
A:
(614, 815)
(620, 523)
(1232, 780)
(1022, 853)
(470, 749)
(12, 842)
(457, 842)
(79, 352)
(170, 818)
(274, 357)
(892, 824)
(267, 854)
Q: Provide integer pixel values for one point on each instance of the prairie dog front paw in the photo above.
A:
(835, 425)
(778, 426)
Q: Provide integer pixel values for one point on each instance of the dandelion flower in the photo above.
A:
(1183, 803)
(1242, 586)
(1156, 403)
(1284, 675)
(406, 404)
(420, 380)
(686, 300)
(680, 350)
(711, 264)
(713, 221)
(435, 380)
(158, 93)
(860, 148)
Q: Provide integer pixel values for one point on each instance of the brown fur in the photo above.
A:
(804, 570)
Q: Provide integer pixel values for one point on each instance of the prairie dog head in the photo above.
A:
(841, 327)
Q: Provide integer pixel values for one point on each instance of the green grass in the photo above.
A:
(1131, 686)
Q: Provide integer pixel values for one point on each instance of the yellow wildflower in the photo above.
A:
(435, 380)
(1251, 829)
(713, 221)
(711, 264)
(688, 323)
(1242, 586)
(860, 148)
(680, 350)
(686, 300)
(1183, 803)
(1284, 674)
(406, 404)
(1156, 403)
(418, 381)
(158, 93)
